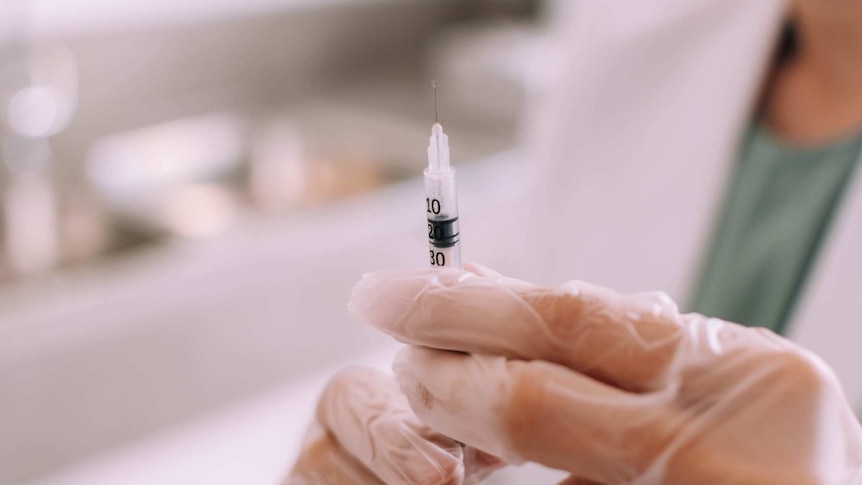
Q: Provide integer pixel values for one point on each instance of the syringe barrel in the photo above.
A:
(441, 208)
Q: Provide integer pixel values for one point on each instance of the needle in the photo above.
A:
(434, 85)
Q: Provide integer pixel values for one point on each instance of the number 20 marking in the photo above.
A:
(435, 232)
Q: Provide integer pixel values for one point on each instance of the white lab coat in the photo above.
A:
(634, 138)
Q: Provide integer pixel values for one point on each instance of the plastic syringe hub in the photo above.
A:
(438, 150)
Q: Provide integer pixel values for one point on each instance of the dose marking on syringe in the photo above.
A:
(442, 233)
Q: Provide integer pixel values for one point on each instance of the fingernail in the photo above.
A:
(359, 296)
(383, 299)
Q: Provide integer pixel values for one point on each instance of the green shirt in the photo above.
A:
(776, 211)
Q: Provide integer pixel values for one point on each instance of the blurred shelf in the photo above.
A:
(64, 18)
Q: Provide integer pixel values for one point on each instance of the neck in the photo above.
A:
(814, 96)
(830, 41)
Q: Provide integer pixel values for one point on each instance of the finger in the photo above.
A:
(370, 418)
(537, 411)
(480, 270)
(324, 461)
(628, 341)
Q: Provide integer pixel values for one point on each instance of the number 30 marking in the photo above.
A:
(437, 258)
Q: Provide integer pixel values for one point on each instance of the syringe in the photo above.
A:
(441, 199)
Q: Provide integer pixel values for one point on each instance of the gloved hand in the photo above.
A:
(365, 433)
(612, 388)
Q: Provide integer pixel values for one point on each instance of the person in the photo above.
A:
(681, 147)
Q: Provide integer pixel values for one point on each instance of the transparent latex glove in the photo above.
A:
(612, 388)
(365, 433)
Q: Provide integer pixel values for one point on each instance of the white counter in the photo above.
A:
(253, 443)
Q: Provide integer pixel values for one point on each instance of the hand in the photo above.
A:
(365, 433)
(612, 388)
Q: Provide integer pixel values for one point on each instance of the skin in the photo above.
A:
(814, 97)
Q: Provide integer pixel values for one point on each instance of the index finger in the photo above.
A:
(628, 341)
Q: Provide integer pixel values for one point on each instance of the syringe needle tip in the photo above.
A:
(434, 85)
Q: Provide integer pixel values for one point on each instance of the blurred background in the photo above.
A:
(190, 189)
